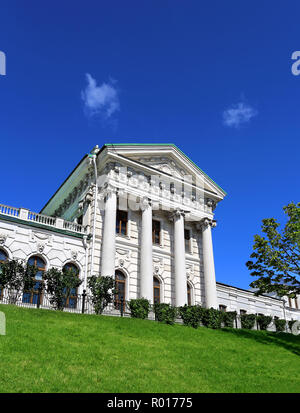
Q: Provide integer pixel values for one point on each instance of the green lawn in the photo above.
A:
(48, 351)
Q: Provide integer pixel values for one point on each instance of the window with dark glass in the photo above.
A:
(189, 294)
(187, 237)
(156, 291)
(31, 297)
(121, 290)
(71, 301)
(121, 222)
(222, 308)
(3, 258)
(80, 220)
(156, 232)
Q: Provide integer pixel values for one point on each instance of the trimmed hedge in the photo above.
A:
(263, 321)
(165, 313)
(228, 318)
(279, 324)
(291, 323)
(211, 318)
(139, 308)
(248, 321)
(191, 315)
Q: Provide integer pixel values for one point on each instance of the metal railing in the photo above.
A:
(82, 303)
(77, 303)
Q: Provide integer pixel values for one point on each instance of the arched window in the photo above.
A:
(3, 258)
(32, 296)
(121, 289)
(156, 291)
(189, 294)
(71, 301)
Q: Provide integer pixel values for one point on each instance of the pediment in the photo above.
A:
(170, 160)
(164, 164)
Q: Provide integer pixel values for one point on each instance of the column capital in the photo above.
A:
(108, 189)
(145, 203)
(177, 213)
(211, 203)
(205, 222)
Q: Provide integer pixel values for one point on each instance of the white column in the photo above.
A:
(208, 264)
(109, 234)
(146, 267)
(179, 259)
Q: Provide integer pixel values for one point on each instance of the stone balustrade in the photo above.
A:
(27, 215)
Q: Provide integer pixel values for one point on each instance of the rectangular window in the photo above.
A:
(80, 219)
(156, 232)
(121, 222)
(222, 308)
(187, 240)
(243, 312)
(290, 302)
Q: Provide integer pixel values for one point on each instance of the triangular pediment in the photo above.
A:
(168, 159)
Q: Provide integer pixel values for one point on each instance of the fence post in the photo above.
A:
(83, 301)
(40, 289)
(122, 304)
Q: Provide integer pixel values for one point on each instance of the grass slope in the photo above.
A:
(48, 351)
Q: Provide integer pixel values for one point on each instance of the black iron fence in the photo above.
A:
(82, 303)
(76, 303)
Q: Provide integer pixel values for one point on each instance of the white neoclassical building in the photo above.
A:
(143, 214)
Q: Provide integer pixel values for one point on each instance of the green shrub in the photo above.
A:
(248, 321)
(228, 318)
(263, 321)
(165, 313)
(211, 318)
(139, 308)
(291, 323)
(102, 290)
(279, 324)
(191, 315)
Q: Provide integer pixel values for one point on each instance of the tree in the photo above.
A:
(59, 285)
(16, 277)
(277, 255)
(102, 290)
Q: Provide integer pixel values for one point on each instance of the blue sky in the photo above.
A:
(212, 77)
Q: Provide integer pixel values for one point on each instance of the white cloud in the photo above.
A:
(100, 100)
(238, 114)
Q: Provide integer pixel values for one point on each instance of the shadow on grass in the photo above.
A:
(288, 341)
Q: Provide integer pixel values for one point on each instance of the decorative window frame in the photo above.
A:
(162, 287)
(191, 284)
(161, 233)
(189, 228)
(127, 280)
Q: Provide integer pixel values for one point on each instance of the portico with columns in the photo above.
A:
(182, 276)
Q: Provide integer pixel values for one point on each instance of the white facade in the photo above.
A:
(136, 185)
